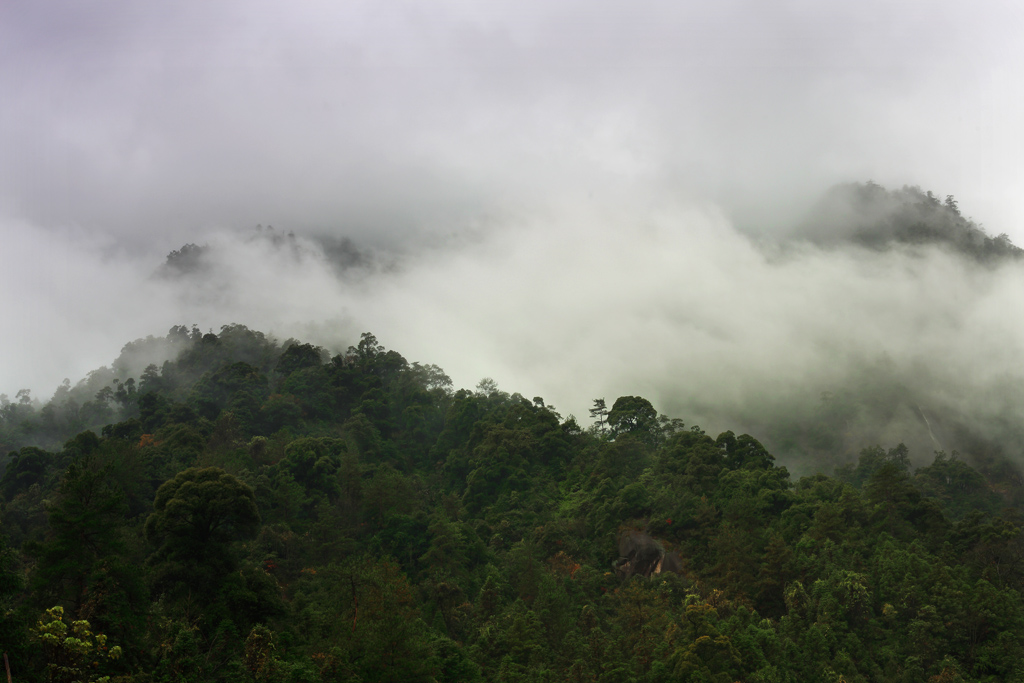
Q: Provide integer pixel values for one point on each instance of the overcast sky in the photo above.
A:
(160, 120)
(128, 128)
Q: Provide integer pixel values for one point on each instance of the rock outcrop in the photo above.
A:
(641, 554)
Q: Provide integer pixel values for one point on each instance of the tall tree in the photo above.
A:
(599, 412)
(85, 520)
(196, 518)
(634, 415)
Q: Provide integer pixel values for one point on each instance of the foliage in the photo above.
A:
(73, 653)
(249, 511)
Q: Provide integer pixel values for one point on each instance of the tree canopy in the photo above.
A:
(250, 511)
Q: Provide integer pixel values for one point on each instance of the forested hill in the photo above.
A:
(873, 216)
(255, 511)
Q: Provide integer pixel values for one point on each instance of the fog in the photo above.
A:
(578, 200)
(725, 331)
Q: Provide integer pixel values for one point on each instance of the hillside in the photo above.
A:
(873, 216)
(252, 510)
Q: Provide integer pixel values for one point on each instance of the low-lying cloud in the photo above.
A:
(818, 350)
(579, 199)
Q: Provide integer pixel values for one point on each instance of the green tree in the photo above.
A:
(73, 654)
(600, 413)
(259, 657)
(85, 520)
(298, 357)
(362, 622)
(957, 486)
(12, 624)
(26, 467)
(871, 460)
(196, 518)
(634, 415)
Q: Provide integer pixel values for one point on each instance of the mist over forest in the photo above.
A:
(819, 461)
(883, 316)
(511, 341)
(576, 203)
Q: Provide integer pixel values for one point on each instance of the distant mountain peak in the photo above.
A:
(874, 217)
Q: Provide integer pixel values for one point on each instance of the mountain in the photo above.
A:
(869, 215)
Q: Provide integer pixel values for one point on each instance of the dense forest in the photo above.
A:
(250, 510)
